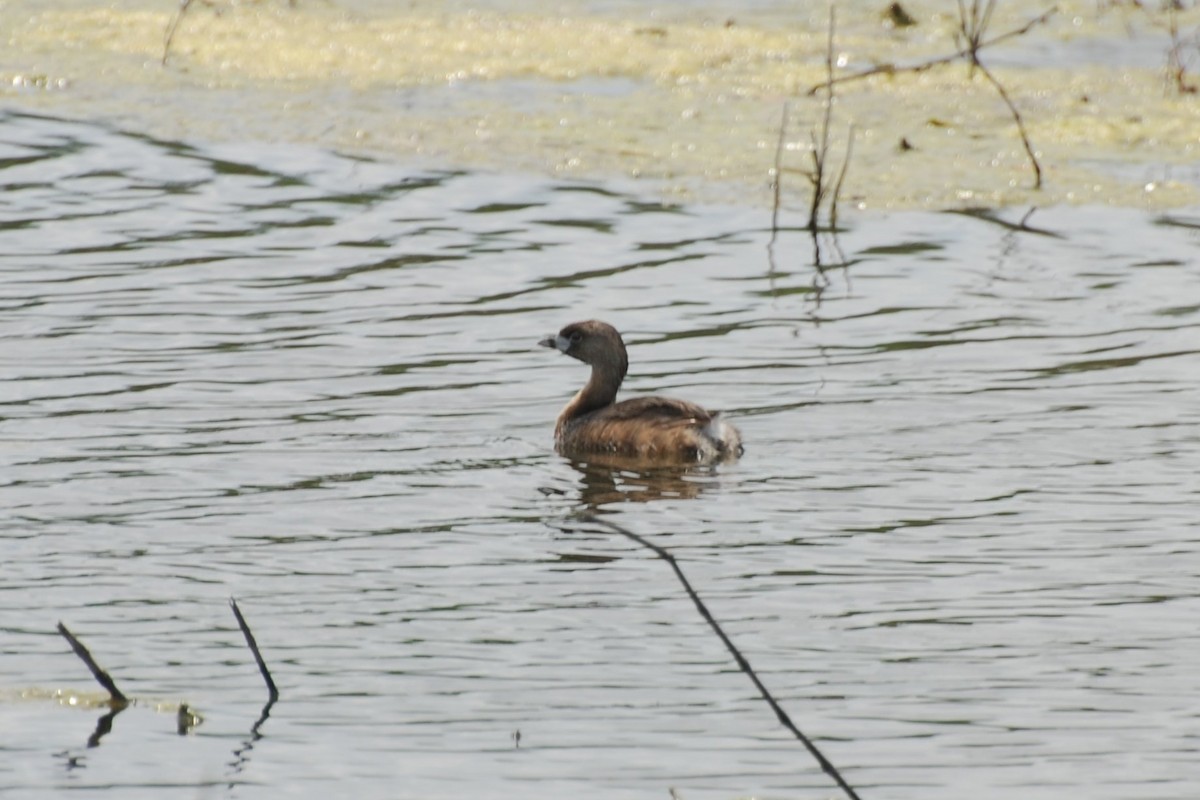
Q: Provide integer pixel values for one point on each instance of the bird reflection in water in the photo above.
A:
(607, 480)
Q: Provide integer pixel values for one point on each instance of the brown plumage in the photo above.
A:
(651, 428)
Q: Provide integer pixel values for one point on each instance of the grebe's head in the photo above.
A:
(592, 342)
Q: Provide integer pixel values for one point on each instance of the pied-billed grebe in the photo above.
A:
(654, 428)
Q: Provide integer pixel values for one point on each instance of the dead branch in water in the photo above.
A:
(777, 177)
(893, 69)
(841, 178)
(1020, 122)
(262, 665)
(740, 659)
(173, 25)
(820, 146)
(823, 187)
(973, 23)
(117, 697)
(1177, 60)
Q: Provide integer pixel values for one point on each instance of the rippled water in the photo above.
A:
(961, 547)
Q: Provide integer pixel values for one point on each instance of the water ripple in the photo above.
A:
(960, 547)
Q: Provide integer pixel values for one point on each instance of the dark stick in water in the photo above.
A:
(118, 697)
(742, 663)
(173, 26)
(262, 665)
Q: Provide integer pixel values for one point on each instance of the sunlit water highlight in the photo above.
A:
(961, 547)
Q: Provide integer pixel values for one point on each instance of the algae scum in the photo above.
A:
(692, 99)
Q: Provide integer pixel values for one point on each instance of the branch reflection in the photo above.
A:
(241, 754)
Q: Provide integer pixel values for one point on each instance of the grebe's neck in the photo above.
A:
(598, 392)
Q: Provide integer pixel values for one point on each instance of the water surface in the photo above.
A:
(961, 546)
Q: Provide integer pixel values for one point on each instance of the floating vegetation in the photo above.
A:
(691, 103)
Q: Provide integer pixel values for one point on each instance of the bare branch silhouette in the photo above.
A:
(973, 23)
(742, 662)
(118, 698)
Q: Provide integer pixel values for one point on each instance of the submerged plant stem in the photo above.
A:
(742, 663)
(253, 645)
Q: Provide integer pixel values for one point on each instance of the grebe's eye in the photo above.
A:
(576, 337)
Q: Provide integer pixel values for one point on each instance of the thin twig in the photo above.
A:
(817, 179)
(742, 663)
(1176, 66)
(829, 36)
(1016, 115)
(820, 151)
(965, 52)
(972, 25)
(841, 178)
(262, 665)
(184, 5)
(118, 698)
(962, 11)
(777, 183)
